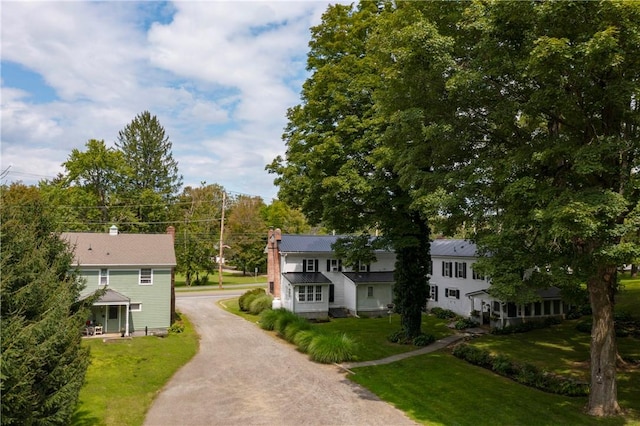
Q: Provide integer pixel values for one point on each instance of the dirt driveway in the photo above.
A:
(244, 376)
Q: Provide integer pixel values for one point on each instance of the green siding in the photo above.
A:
(155, 298)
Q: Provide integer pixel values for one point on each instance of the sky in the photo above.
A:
(219, 76)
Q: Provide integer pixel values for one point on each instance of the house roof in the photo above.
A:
(370, 277)
(453, 248)
(101, 249)
(306, 278)
(291, 243)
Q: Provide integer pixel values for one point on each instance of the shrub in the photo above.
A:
(268, 319)
(399, 337)
(443, 313)
(584, 326)
(295, 326)
(523, 327)
(303, 339)
(245, 300)
(424, 340)
(260, 303)
(283, 319)
(328, 348)
(464, 323)
(177, 327)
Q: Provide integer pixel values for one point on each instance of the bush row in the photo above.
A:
(443, 313)
(523, 327)
(624, 324)
(401, 337)
(255, 301)
(523, 373)
(321, 347)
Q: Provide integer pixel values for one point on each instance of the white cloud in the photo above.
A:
(219, 75)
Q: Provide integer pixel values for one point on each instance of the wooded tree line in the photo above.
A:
(515, 121)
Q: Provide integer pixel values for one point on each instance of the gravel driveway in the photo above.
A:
(244, 376)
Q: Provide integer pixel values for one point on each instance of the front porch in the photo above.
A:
(109, 315)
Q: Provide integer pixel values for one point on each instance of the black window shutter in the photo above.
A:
(332, 292)
(464, 271)
(443, 268)
(316, 269)
(435, 292)
(328, 265)
(304, 265)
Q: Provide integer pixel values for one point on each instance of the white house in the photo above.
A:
(307, 278)
(454, 285)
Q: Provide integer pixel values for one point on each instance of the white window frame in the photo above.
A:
(447, 269)
(140, 277)
(452, 293)
(104, 276)
(461, 270)
(433, 292)
(310, 265)
(477, 275)
(335, 265)
(135, 307)
(310, 293)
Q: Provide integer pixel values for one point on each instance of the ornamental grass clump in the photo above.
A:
(244, 302)
(329, 348)
(294, 327)
(260, 303)
(303, 339)
(284, 318)
(268, 319)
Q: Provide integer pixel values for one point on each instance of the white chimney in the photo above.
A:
(113, 230)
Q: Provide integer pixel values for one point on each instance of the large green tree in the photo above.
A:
(153, 179)
(43, 362)
(335, 169)
(536, 144)
(245, 233)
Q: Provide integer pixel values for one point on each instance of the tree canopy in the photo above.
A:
(516, 120)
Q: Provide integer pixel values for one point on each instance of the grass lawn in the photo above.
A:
(125, 376)
(370, 334)
(439, 389)
(229, 279)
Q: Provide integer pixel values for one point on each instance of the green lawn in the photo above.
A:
(370, 334)
(126, 374)
(230, 279)
(439, 389)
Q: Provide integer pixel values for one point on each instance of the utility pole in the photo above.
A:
(221, 246)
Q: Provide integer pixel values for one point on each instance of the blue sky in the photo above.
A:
(219, 75)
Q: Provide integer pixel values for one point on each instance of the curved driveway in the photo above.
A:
(244, 376)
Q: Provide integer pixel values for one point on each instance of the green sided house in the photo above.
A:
(136, 272)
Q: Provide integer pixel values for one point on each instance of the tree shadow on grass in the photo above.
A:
(84, 418)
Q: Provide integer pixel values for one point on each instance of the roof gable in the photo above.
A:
(98, 249)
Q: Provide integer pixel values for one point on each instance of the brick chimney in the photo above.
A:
(273, 261)
(172, 231)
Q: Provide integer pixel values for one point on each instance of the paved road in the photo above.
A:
(244, 376)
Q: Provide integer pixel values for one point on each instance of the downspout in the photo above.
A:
(126, 326)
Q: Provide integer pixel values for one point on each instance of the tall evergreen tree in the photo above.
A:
(153, 178)
(43, 363)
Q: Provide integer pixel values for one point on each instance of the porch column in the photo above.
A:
(126, 321)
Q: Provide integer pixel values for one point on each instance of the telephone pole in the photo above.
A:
(221, 246)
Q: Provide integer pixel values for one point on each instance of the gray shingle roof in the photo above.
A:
(102, 249)
(306, 278)
(291, 243)
(370, 277)
(453, 248)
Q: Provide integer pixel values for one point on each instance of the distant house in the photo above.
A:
(137, 273)
(455, 285)
(307, 278)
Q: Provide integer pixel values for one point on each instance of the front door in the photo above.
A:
(113, 323)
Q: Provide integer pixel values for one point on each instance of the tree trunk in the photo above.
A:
(603, 396)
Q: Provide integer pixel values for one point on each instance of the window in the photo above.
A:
(461, 269)
(135, 307)
(146, 276)
(104, 277)
(271, 287)
(430, 268)
(478, 276)
(370, 291)
(310, 293)
(309, 265)
(433, 293)
(363, 267)
(113, 312)
(453, 293)
(447, 269)
(334, 265)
